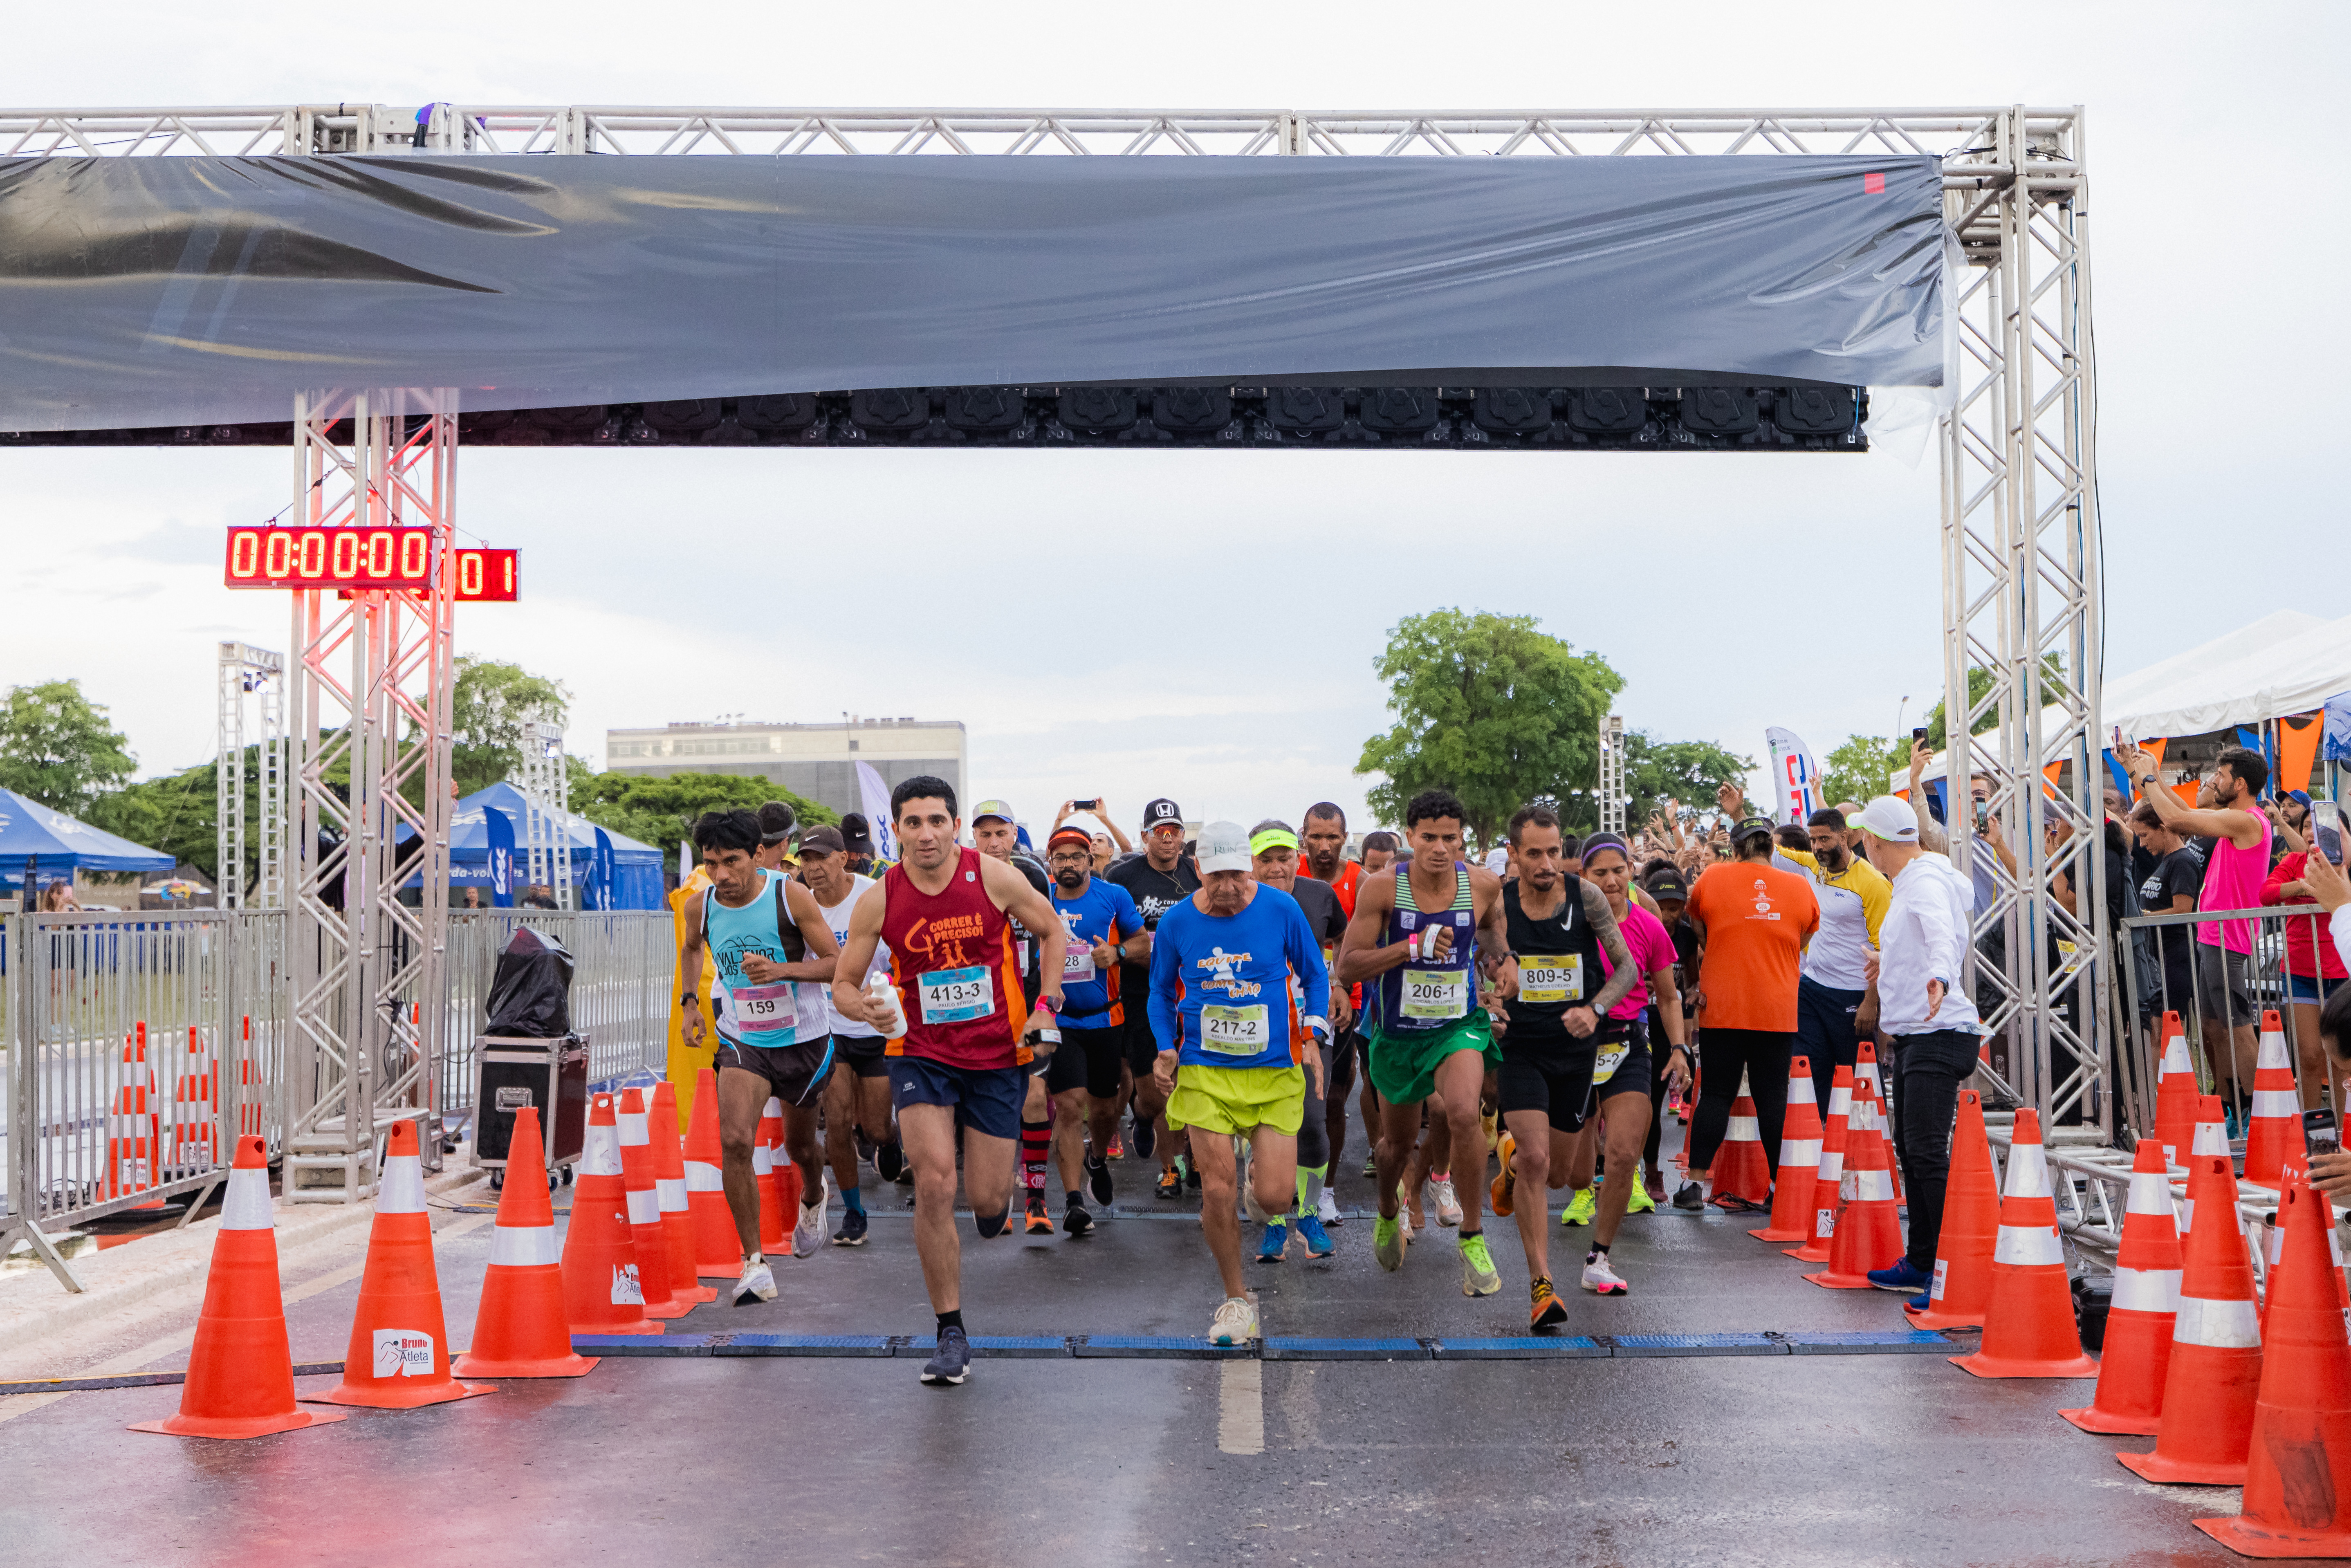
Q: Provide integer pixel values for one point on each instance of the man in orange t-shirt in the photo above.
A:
(1754, 921)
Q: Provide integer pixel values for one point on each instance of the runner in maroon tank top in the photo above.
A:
(961, 1037)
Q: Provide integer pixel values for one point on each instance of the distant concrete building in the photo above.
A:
(815, 760)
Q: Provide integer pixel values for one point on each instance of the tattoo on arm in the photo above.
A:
(1622, 974)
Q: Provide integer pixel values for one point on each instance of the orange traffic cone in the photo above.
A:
(718, 1248)
(2029, 1329)
(399, 1355)
(2273, 1134)
(600, 1293)
(669, 1184)
(1865, 1069)
(134, 1142)
(1964, 1247)
(1800, 1160)
(763, 1170)
(519, 1330)
(2207, 1134)
(2137, 1353)
(241, 1371)
(646, 1231)
(2215, 1375)
(1830, 1175)
(2298, 1462)
(1867, 1233)
(1740, 1172)
(2176, 1094)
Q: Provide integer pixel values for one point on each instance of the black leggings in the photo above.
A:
(1660, 1057)
(1762, 1055)
(1315, 1131)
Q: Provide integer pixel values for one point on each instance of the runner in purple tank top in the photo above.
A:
(2227, 811)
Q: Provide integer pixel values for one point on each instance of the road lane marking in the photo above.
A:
(1240, 1407)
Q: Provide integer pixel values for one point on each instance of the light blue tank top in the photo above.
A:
(765, 1015)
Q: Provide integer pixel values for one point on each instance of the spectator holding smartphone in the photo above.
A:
(2331, 1171)
(2314, 971)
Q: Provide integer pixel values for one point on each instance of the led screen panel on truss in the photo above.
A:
(212, 291)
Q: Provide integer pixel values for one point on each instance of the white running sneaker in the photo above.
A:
(1235, 1323)
(809, 1234)
(1448, 1201)
(758, 1283)
(1327, 1211)
(1600, 1279)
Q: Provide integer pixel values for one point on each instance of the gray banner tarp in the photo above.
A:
(162, 291)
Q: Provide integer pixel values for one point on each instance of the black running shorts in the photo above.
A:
(796, 1073)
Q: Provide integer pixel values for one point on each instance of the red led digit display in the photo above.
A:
(486, 577)
(361, 559)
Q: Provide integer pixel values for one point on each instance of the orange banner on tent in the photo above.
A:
(2298, 736)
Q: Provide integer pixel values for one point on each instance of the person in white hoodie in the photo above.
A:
(1922, 949)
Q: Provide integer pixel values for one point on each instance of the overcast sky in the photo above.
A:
(1204, 624)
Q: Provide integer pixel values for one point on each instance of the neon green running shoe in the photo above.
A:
(1388, 1244)
(1579, 1207)
(1640, 1202)
(1478, 1275)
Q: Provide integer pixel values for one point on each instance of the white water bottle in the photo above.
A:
(881, 999)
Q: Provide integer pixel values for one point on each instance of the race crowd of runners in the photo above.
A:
(1208, 1006)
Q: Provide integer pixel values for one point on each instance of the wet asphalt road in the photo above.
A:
(1843, 1459)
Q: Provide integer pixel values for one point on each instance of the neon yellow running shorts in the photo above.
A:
(1237, 1099)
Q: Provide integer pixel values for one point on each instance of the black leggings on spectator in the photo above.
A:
(1762, 1054)
(1930, 1067)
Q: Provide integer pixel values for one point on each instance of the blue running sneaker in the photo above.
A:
(1901, 1277)
(1318, 1241)
(952, 1361)
(1919, 1303)
(1276, 1237)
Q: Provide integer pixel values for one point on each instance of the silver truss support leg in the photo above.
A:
(2021, 637)
(546, 784)
(1613, 799)
(249, 680)
(370, 765)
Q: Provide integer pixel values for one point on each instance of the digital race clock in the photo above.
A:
(361, 559)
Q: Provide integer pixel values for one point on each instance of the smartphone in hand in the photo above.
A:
(2326, 830)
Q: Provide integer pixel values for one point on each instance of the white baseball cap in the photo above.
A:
(1223, 846)
(1887, 818)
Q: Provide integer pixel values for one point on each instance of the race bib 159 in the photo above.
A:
(765, 1010)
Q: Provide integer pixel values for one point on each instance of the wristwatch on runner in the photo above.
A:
(691, 999)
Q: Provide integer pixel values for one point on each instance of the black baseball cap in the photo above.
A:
(1751, 826)
(1664, 884)
(857, 833)
(1161, 814)
(822, 840)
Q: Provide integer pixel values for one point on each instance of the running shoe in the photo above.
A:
(1416, 1217)
(1448, 1202)
(1040, 1219)
(1501, 1195)
(1075, 1220)
(1478, 1275)
(1098, 1179)
(758, 1283)
(1653, 1184)
(1493, 1125)
(889, 1163)
(864, 1145)
(1600, 1279)
(1638, 1200)
(1170, 1185)
(1276, 1239)
(1730, 1203)
(1318, 1241)
(1690, 1198)
(852, 1228)
(809, 1234)
(1191, 1173)
(1388, 1242)
(1372, 1167)
(1117, 1148)
(1579, 1207)
(1235, 1323)
(951, 1362)
(1544, 1309)
(1141, 1137)
(1902, 1277)
(1327, 1211)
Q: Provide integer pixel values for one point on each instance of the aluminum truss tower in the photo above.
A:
(2020, 528)
(252, 682)
(546, 784)
(371, 802)
(1613, 799)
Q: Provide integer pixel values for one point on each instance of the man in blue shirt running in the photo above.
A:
(1083, 1079)
(1235, 1050)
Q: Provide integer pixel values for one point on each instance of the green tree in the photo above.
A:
(57, 748)
(660, 812)
(1687, 771)
(1490, 708)
(491, 704)
(179, 815)
(1859, 769)
(2053, 680)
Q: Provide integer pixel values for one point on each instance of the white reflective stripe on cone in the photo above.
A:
(1841, 1100)
(2187, 1216)
(632, 1127)
(522, 1247)
(1799, 1092)
(602, 1156)
(402, 1189)
(2211, 1138)
(247, 1207)
(1742, 1130)
(2028, 1172)
(2272, 1051)
(1831, 1165)
(701, 1177)
(2150, 1193)
(672, 1193)
(2028, 1246)
(2175, 1057)
(644, 1206)
(1807, 1152)
(2219, 1325)
(774, 1107)
(2146, 1291)
(1872, 1187)
(2276, 1102)
(763, 1159)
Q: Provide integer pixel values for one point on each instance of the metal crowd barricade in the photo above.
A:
(140, 1045)
(625, 962)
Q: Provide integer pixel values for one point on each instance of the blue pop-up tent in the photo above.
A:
(58, 844)
(636, 868)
